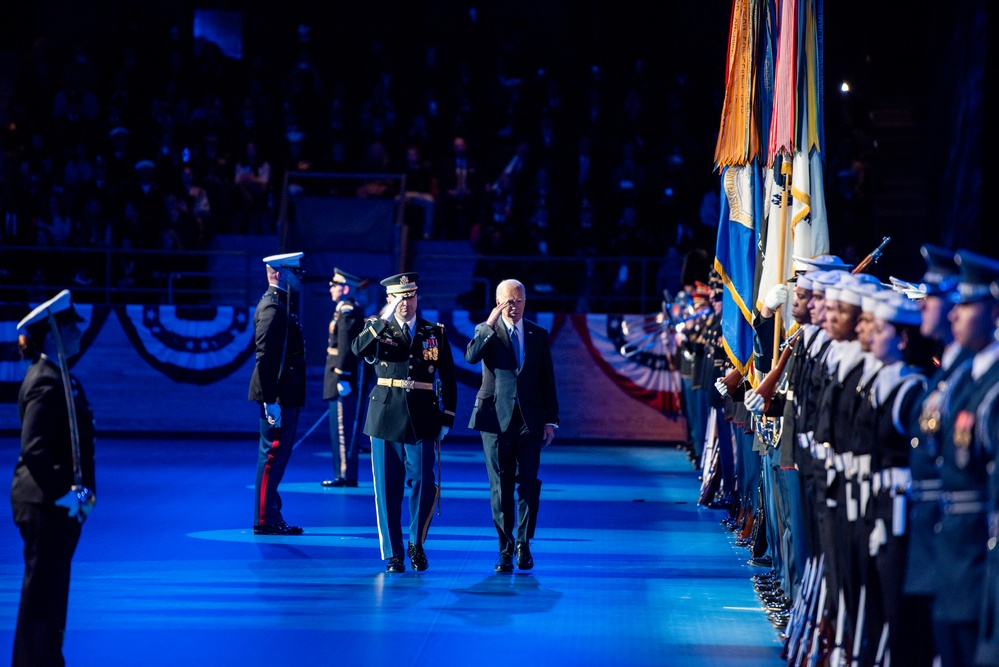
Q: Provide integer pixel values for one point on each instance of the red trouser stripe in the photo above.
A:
(264, 479)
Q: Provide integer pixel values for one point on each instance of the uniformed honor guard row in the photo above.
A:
(863, 478)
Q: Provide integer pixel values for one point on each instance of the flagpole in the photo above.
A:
(785, 167)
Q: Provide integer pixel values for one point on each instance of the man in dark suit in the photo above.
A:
(516, 412)
(406, 416)
(340, 382)
(278, 385)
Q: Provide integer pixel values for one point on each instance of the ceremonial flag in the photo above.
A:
(735, 260)
(738, 133)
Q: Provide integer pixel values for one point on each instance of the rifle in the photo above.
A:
(873, 257)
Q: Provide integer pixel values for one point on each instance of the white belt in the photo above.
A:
(893, 479)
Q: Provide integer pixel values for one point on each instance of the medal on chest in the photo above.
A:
(430, 349)
(929, 417)
(964, 426)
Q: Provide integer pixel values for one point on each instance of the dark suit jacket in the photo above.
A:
(276, 379)
(44, 470)
(533, 385)
(341, 363)
(397, 414)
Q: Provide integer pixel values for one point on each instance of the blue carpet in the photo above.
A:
(629, 570)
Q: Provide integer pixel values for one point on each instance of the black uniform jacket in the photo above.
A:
(276, 379)
(401, 414)
(533, 386)
(44, 470)
(341, 363)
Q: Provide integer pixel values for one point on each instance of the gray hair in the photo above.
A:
(510, 284)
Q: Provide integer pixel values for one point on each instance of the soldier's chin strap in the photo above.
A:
(84, 495)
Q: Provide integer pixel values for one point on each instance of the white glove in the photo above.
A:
(720, 386)
(878, 537)
(754, 402)
(389, 310)
(444, 430)
(776, 296)
(79, 502)
(71, 502)
(343, 388)
(273, 412)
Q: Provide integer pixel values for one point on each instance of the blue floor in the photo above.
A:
(629, 570)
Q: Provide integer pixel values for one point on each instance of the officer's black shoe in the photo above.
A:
(525, 561)
(340, 482)
(762, 561)
(417, 558)
(277, 529)
(395, 564)
(504, 563)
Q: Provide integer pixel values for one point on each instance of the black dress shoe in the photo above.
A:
(417, 558)
(277, 529)
(762, 561)
(504, 563)
(525, 561)
(396, 564)
(340, 482)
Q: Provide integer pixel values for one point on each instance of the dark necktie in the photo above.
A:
(515, 342)
(406, 334)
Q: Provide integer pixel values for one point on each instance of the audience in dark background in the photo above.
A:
(521, 138)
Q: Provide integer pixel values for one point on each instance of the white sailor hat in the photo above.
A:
(804, 281)
(822, 280)
(401, 283)
(820, 263)
(61, 305)
(871, 297)
(144, 164)
(289, 260)
(897, 309)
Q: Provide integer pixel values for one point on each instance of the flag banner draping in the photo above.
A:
(735, 260)
(783, 132)
(738, 138)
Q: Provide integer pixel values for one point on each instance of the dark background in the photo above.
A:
(903, 148)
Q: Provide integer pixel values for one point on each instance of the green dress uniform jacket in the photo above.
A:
(407, 413)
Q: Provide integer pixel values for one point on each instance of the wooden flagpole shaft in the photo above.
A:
(785, 166)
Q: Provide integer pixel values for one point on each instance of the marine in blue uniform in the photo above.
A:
(406, 417)
(278, 385)
(341, 379)
(53, 489)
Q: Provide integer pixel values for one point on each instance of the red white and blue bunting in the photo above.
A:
(202, 345)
